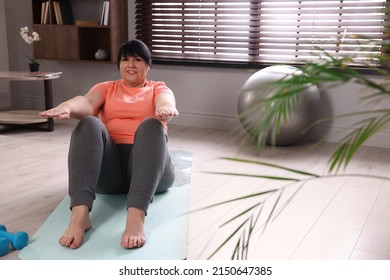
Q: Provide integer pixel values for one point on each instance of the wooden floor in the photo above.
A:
(342, 217)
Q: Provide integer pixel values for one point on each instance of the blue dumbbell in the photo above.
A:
(4, 246)
(18, 240)
(4, 243)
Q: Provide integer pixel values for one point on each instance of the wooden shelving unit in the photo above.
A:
(79, 42)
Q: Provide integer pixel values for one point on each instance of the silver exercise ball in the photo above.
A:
(255, 89)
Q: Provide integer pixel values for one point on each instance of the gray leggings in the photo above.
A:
(98, 165)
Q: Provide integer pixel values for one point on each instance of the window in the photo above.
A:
(260, 32)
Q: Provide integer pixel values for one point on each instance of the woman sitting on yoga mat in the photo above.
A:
(119, 145)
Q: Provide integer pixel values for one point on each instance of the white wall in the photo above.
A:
(206, 97)
(5, 98)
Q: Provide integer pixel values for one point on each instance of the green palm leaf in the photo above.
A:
(271, 165)
(353, 141)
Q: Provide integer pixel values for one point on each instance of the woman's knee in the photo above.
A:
(150, 123)
(89, 125)
(150, 127)
(89, 121)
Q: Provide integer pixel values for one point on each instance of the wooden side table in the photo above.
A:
(30, 118)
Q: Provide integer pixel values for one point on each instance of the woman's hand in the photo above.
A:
(60, 112)
(165, 106)
(165, 113)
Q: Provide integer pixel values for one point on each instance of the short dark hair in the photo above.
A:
(135, 48)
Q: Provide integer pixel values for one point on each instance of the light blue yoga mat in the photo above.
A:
(166, 226)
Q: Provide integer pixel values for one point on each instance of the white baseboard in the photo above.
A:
(194, 119)
(337, 133)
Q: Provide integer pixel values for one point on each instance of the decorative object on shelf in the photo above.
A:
(30, 39)
(101, 54)
(259, 88)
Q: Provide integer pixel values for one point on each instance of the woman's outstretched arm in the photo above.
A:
(76, 107)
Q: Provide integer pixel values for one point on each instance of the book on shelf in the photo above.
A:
(57, 12)
(102, 14)
(43, 8)
(87, 22)
(53, 12)
(105, 13)
(43, 74)
(45, 12)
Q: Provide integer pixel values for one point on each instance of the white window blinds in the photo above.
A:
(261, 32)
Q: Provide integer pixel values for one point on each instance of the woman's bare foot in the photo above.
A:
(79, 224)
(134, 235)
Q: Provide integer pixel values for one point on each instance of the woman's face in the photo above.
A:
(133, 70)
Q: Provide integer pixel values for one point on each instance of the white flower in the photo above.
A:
(29, 39)
(24, 29)
(36, 36)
